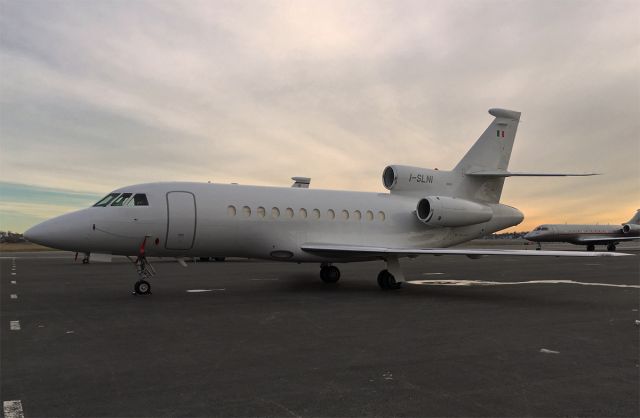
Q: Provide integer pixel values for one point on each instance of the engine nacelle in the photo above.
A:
(400, 178)
(450, 211)
(629, 228)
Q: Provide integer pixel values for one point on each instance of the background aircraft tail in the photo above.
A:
(490, 154)
(635, 220)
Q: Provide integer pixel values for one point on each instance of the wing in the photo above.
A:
(587, 240)
(504, 173)
(340, 250)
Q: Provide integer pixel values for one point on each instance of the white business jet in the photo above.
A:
(425, 212)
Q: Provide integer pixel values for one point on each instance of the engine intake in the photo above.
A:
(628, 228)
(444, 211)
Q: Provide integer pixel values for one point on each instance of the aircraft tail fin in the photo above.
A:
(490, 153)
(635, 220)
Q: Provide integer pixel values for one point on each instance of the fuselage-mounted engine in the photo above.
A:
(441, 211)
(629, 228)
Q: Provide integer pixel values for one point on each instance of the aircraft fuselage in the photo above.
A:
(205, 220)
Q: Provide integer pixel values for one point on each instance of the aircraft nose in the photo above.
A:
(66, 232)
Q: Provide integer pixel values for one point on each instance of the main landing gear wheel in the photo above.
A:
(142, 287)
(386, 281)
(329, 274)
(591, 247)
(611, 247)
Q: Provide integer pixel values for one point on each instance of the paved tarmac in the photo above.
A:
(270, 339)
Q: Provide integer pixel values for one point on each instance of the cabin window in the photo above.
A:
(246, 211)
(275, 213)
(261, 212)
(381, 216)
(289, 213)
(231, 210)
(121, 199)
(331, 214)
(369, 215)
(140, 199)
(303, 213)
(316, 214)
(357, 215)
(345, 214)
(106, 200)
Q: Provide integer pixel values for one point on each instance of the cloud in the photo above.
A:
(94, 96)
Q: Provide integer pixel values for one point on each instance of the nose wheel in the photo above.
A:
(142, 287)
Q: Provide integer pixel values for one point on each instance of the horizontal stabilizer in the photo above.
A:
(341, 250)
(504, 173)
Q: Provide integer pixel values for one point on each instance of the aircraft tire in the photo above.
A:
(611, 247)
(591, 247)
(204, 259)
(330, 274)
(218, 258)
(142, 287)
(386, 281)
(85, 260)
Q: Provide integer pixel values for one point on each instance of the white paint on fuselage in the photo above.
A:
(218, 232)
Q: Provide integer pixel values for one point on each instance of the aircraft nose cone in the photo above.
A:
(66, 232)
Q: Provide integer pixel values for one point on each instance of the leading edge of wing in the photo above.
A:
(601, 239)
(358, 250)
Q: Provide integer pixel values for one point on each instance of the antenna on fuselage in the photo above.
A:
(301, 182)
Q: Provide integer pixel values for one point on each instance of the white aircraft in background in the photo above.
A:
(425, 212)
(589, 235)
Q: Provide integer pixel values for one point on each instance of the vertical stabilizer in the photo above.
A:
(491, 152)
(635, 220)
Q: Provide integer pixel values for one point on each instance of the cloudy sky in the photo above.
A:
(97, 95)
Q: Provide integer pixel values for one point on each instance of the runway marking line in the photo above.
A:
(14, 296)
(432, 274)
(13, 409)
(547, 351)
(14, 325)
(13, 274)
(204, 290)
(490, 283)
(13, 282)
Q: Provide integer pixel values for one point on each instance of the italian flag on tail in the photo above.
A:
(499, 133)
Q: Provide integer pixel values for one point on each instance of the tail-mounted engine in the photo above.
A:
(449, 211)
(629, 228)
(403, 178)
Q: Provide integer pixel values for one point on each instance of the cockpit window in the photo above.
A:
(542, 228)
(121, 199)
(106, 200)
(140, 199)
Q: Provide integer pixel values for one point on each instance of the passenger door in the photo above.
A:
(181, 220)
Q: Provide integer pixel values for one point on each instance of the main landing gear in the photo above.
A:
(329, 273)
(387, 281)
(591, 247)
(390, 278)
(611, 247)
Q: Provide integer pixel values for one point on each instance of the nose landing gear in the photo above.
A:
(145, 271)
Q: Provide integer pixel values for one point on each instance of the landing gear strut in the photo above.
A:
(145, 271)
(591, 247)
(392, 277)
(611, 247)
(329, 273)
